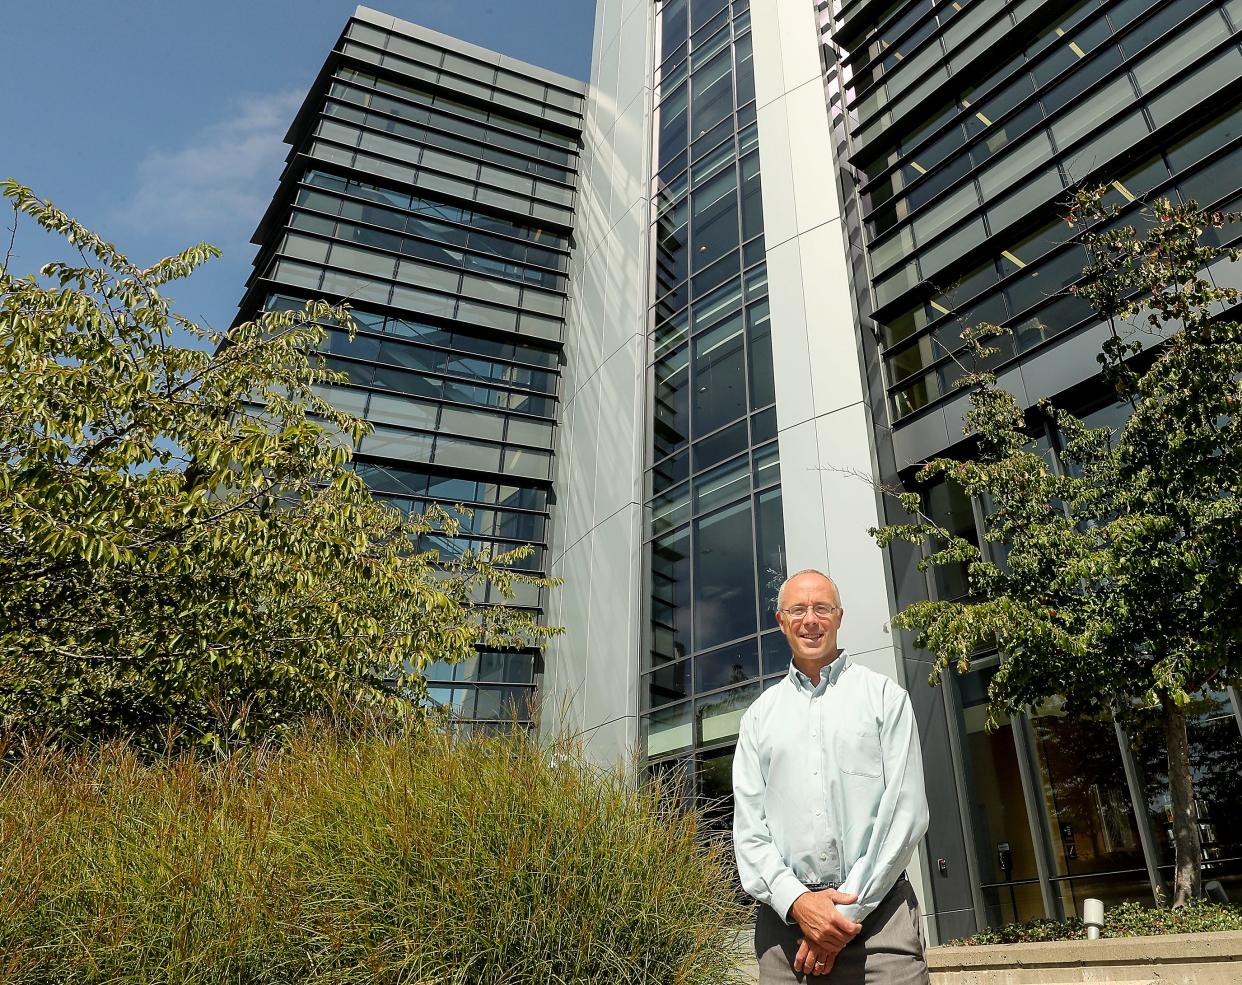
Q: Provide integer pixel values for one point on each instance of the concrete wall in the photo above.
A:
(590, 684)
(1187, 959)
(1184, 959)
(825, 428)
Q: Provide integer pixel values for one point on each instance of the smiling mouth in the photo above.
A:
(812, 640)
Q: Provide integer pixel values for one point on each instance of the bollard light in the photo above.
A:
(1093, 917)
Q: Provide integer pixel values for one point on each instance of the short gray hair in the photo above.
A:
(780, 594)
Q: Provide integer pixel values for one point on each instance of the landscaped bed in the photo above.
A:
(1123, 920)
(355, 859)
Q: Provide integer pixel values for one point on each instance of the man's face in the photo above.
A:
(812, 638)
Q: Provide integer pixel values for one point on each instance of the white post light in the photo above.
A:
(1093, 917)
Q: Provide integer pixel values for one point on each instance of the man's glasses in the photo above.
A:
(821, 609)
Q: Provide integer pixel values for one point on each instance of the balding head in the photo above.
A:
(780, 595)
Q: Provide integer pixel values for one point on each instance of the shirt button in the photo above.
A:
(818, 813)
(823, 856)
(813, 734)
(814, 772)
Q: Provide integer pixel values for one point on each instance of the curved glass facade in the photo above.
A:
(433, 189)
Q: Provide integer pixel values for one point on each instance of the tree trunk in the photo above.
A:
(1188, 854)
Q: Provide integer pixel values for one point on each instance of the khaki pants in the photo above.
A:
(887, 951)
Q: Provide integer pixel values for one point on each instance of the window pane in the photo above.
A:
(712, 93)
(465, 454)
(724, 556)
(1092, 111)
(719, 717)
(672, 402)
(762, 380)
(1088, 808)
(770, 533)
(670, 596)
(730, 665)
(1216, 769)
(719, 376)
(1004, 848)
(950, 507)
(1017, 164)
(714, 221)
(669, 730)
(667, 684)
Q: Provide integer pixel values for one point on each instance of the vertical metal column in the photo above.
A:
(1032, 794)
(953, 724)
(1235, 699)
(1138, 802)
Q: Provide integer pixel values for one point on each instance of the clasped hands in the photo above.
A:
(825, 929)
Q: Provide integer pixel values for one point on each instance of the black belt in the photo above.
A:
(819, 887)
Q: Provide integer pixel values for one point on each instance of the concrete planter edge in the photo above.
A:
(1162, 949)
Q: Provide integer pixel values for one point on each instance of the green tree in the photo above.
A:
(186, 555)
(1112, 583)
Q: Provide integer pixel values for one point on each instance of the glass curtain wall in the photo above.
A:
(1089, 828)
(715, 536)
(965, 126)
(969, 122)
(434, 191)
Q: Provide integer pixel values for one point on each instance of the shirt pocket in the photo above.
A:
(858, 752)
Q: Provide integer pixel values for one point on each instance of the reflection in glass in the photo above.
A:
(1095, 840)
(1216, 770)
(722, 484)
(672, 402)
(770, 532)
(670, 596)
(715, 775)
(759, 332)
(724, 576)
(950, 507)
(1004, 848)
(775, 649)
(669, 730)
(719, 716)
(733, 664)
(668, 684)
(719, 377)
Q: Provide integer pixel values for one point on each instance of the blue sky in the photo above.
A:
(158, 123)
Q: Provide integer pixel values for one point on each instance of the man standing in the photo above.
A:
(828, 807)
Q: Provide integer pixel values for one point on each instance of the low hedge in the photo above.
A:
(1123, 920)
(342, 859)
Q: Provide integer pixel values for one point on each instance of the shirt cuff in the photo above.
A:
(784, 892)
(854, 911)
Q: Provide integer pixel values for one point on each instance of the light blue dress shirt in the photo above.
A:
(828, 787)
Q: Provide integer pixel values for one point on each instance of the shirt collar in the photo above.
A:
(828, 676)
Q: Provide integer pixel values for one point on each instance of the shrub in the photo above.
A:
(1130, 919)
(412, 858)
(188, 555)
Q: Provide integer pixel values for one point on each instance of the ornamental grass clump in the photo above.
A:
(342, 858)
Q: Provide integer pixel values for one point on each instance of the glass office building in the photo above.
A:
(673, 326)
(960, 128)
(715, 538)
(431, 185)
